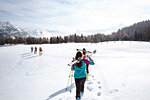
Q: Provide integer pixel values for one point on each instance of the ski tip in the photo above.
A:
(70, 91)
(68, 64)
(94, 51)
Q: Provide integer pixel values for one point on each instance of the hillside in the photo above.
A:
(137, 31)
(9, 30)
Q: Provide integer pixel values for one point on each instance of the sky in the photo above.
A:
(70, 16)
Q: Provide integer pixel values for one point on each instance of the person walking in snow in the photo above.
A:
(35, 50)
(80, 73)
(31, 49)
(85, 53)
(40, 51)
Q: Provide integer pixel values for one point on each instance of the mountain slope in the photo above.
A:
(45, 33)
(140, 27)
(9, 30)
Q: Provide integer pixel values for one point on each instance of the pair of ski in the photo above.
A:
(89, 53)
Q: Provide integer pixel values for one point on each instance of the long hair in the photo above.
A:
(84, 51)
(78, 55)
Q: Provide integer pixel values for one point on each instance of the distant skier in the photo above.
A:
(80, 73)
(35, 50)
(31, 49)
(40, 51)
(85, 53)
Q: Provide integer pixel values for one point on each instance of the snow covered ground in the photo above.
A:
(121, 72)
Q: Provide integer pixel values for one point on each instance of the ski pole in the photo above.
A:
(71, 81)
(68, 80)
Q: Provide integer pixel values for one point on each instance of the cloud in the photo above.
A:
(73, 15)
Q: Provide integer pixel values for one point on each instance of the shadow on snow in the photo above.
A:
(31, 57)
(26, 53)
(61, 91)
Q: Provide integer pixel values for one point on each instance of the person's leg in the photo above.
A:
(82, 82)
(87, 68)
(87, 71)
(78, 87)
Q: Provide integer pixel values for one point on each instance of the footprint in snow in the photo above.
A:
(89, 88)
(90, 83)
(99, 87)
(114, 91)
(123, 85)
(99, 94)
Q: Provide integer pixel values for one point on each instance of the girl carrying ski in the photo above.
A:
(84, 52)
(80, 73)
(40, 51)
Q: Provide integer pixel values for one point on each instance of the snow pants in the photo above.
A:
(79, 86)
(40, 52)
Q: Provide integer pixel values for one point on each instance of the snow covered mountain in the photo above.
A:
(10, 30)
(36, 33)
(45, 33)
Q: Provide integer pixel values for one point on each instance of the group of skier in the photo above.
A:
(81, 71)
(35, 50)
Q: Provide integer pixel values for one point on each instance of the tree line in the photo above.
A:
(138, 36)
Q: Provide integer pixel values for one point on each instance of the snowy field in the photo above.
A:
(121, 72)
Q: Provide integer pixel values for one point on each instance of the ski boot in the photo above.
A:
(78, 98)
(87, 76)
(81, 93)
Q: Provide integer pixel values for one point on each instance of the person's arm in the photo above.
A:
(72, 68)
(90, 61)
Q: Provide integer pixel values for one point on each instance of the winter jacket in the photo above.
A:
(81, 72)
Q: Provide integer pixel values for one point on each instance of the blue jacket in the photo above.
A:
(81, 72)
